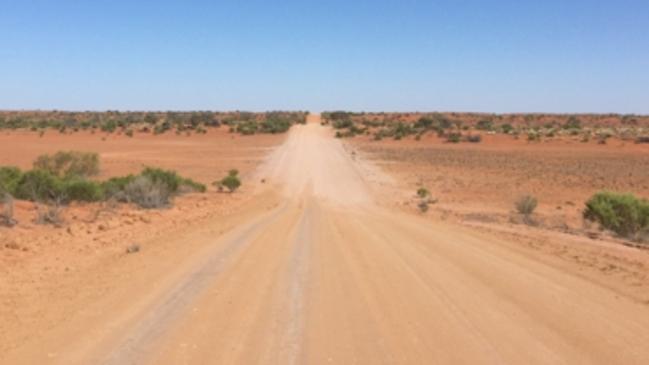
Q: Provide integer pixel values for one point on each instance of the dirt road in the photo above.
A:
(330, 276)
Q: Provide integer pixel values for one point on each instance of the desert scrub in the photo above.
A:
(77, 189)
(172, 181)
(526, 205)
(69, 164)
(453, 137)
(38, 185)
(7, 210)
(9, 179)
(624, 214)
(147, 194)
(230, 182)
(423, 193)
(474, 138)
(60, 179)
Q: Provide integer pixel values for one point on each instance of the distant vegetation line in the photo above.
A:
(468, 127)
(128, 123)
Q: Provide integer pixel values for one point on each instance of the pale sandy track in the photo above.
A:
(329, 277)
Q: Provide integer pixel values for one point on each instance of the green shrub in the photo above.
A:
(623, 214)
(275, 125)
(342, 124)
(168, 178)
(69, 164)
(82, 190)
(247, 128)
(533, 136)
(422, 192)
(109, 126)
(572, 123)
(192, 186)
(453, 137)
(526, 205)
(232, 181)
(485, 125)
(38, 185)
(507, 128)
(9, 179)
(424, 122)
(115, 185)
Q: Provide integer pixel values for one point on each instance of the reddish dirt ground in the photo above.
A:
(328, 260)
(477, 184)
(40, 263)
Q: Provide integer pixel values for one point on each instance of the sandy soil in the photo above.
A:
(320, 266)
(477, 185)
(45, 270)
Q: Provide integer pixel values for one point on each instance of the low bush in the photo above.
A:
(423, 206)
(82, 190)
(115, 186)
(189, 185)
(572, 123)
(7, 211)
(50, 214)
(454, 137)
(168, 178)
(342, 124)
(474, 138)
(507, 128)
(152, 188)
(39, 185)
(172, 181)
(9, 179)
(69, 164)
(624, 214)
(533, 136)
(526, 205)
(147, 194)
(231, 182)
(422, 193)
(485, 125)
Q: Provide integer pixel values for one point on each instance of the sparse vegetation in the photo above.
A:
(453, 137)
(147, 193)
(536, 126)
(156, 122)
(526, 205)
(63, 178)
(7, 210)
(9, 179)
(69, 164)
(474, 138)
(423, 206)
(624, 214)
(230, 182)
(133, 248)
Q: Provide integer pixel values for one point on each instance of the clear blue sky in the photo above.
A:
(459, 55)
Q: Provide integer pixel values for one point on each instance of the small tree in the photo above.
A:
(423, 193)
(231, 182)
